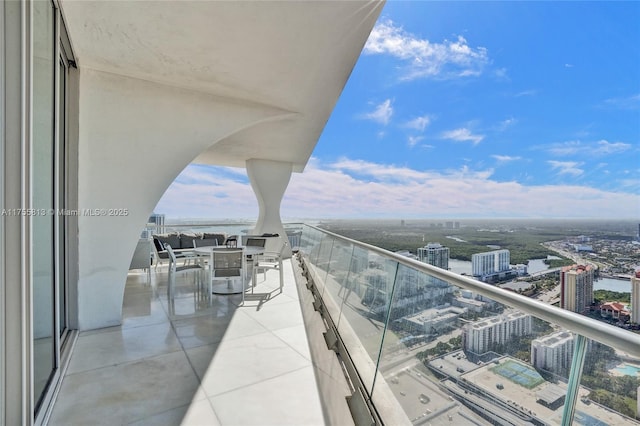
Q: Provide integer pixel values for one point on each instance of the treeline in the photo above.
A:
(523, 244)
(611, 296)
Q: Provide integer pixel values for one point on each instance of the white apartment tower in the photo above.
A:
(490, 262)
(478, 336)
(576, 288)
(635, 297)
(553, 352)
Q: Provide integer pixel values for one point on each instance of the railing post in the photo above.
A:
(577, 364)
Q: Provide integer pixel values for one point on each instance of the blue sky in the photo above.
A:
(468, 109)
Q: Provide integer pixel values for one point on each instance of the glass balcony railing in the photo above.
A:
(423, 345)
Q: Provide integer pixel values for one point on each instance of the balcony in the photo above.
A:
(358, 335)
(188, 361)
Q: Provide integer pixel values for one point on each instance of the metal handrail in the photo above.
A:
(601, 332)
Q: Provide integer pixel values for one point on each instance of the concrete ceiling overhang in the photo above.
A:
(293, 56)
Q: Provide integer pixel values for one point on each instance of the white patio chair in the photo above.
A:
(270, 260)
(174, 269)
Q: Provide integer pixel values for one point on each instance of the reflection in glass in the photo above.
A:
(42, 181)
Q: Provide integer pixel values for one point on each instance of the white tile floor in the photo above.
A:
(193, 362)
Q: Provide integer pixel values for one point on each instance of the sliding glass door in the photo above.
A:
(42, 197)
(48, 198)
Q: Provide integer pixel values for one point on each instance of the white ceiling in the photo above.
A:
(290, 55)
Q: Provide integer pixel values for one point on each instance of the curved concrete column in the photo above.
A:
(134, 138)
(269, 179)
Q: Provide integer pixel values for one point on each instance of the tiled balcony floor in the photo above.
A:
(193, 362)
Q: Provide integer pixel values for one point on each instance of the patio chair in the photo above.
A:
(270, 260)
(227, 264)
(206, 242)
(142, 257)
(174, 269)
(160, 254)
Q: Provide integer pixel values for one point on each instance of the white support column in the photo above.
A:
(269, 179)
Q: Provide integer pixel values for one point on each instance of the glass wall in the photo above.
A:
(439, 353)
(48, 173)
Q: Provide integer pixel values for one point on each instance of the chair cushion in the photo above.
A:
(217, 236)
(186, 240)
(172, 239)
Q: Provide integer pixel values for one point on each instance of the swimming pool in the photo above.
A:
(628, 370)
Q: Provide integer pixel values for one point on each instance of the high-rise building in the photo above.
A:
(479, 336)
(553, 352)
(635, 297)
(437, 255)
(434, 254)
(490, 262)
(576, 288)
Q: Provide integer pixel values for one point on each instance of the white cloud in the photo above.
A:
(361, 189)
(209, 192)
(419, 123)
(381, 114)
(365, 189)
(628, 102)
(599, 148)
(505, 124)
(462, 135)
(425, 59)
(505, 158)
(413, 140)
(603, 147)
(566, 167)
(501, 74)
(529, 92)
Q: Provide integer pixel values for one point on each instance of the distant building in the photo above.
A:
(434, 320)
(613, 310)
(553, 352)
(479, 336)
(437, 255)
(434, 254)
(470, 304)
(635, 297)
(490, 262)
(576, 288)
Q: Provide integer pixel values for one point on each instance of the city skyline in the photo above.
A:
(467, 110)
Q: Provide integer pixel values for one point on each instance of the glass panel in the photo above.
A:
(322, 262)
(42, 244)
(365, 305)
(453, 356)
(335, 283)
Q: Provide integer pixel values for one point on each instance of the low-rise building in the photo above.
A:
(434, 320)
(614, 310)
(479, 336)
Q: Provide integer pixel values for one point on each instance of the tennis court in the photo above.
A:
(520, 374)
